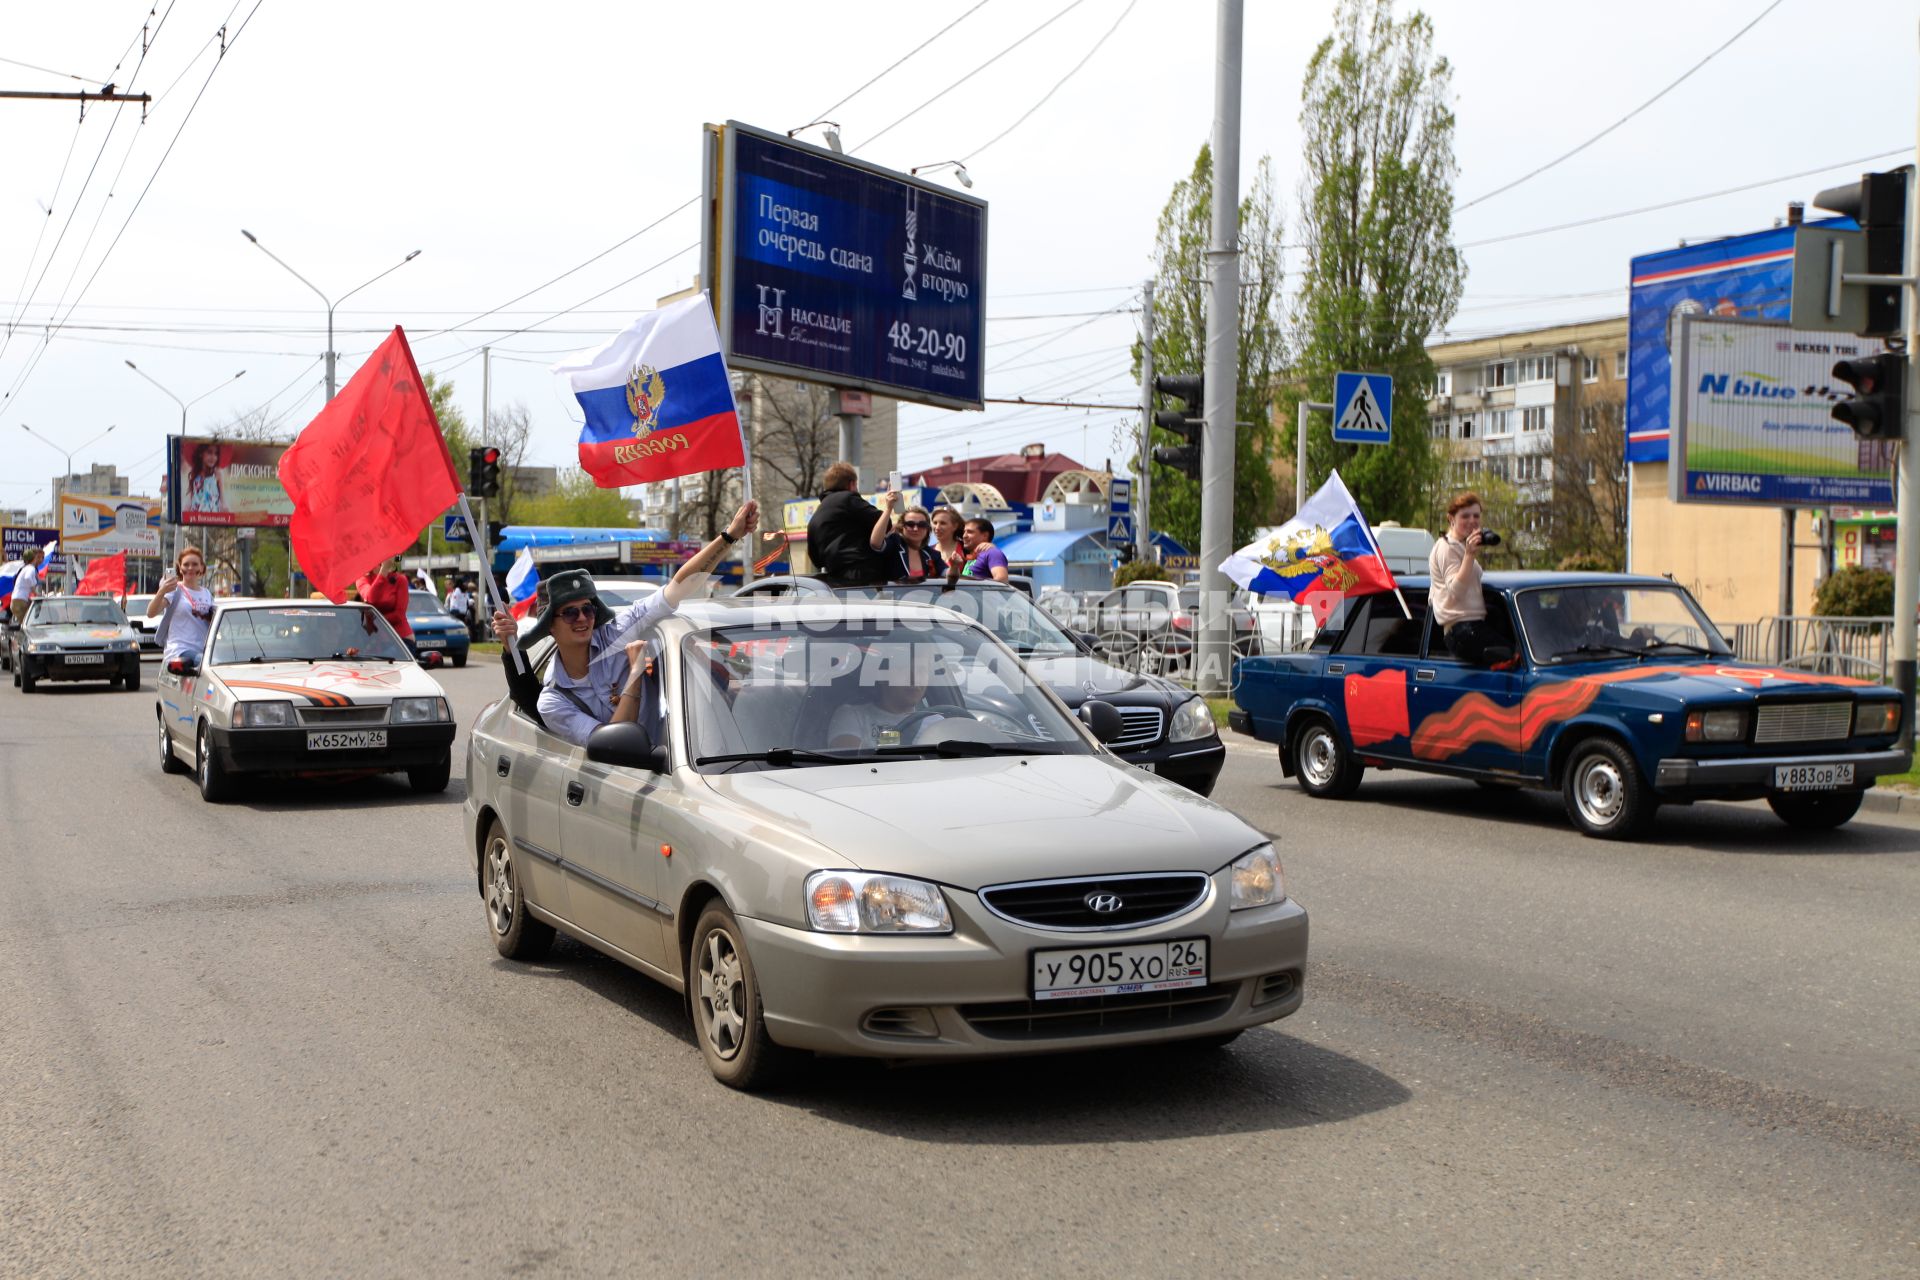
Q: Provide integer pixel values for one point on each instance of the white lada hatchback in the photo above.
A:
(302, 687)
(859, 827)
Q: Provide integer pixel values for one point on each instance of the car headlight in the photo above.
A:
(1258, 880)
(262, 715)
(861, 902)
(1876, 717)
(1191, 719)
(418, 710)
(1717, 726)
(42, 647)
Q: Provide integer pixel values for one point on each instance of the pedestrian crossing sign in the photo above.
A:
(1362, 408)
(1120, 529)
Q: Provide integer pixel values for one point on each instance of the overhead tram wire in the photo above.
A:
(227, 46)
(687, 204)
(145, 40)
(58, 186)
(64, 75)
(1074, 4)
(1056, 85)
(821, 115)
(1684, 76)
(695, 198)
(1695, 199)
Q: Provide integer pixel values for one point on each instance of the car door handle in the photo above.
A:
(575, 793)
(1336, 668)
(503, 766)
(1423, 673)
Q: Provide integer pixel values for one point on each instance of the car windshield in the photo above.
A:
(53, 613)
(834, 691)
(1024, 626)
(424, 607)
(304, 633)
(1600, 622)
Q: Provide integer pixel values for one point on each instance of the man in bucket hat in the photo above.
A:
(582, 691)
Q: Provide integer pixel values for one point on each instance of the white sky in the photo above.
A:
(511, 141)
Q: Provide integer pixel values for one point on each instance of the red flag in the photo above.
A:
(368, 472)
(106, 576)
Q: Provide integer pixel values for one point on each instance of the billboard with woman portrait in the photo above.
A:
(225, 482)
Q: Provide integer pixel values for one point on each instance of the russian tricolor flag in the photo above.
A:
(1326, 552)
(523, 584)
(657, 400)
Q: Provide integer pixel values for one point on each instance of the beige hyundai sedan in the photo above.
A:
(859, 828)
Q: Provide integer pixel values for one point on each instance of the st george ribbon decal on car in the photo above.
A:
(1104, 903)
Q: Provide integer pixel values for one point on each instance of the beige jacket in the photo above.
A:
(1455, 595)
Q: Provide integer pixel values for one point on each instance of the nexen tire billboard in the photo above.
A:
(835, 271)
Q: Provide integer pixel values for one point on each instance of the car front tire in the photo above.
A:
(1323, 762)
(460, 660)
(215, 783)
(728, 1018)
(131, 680)
(1815, 810)
(516, 934)
(24, 676)
(1604, 794)
(431, 779)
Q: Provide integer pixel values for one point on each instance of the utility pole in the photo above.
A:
(1906, 548)
(1222, 356)
(1143, 482)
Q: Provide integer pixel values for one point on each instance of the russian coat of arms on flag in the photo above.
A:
(1325, 553)
(657, 400)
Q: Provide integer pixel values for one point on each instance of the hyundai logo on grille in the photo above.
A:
(1104, 903)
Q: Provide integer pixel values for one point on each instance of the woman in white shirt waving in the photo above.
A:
(188, 606)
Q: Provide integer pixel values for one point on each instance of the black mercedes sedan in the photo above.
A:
(1169, 729)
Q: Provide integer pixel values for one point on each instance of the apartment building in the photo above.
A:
(1541, 410)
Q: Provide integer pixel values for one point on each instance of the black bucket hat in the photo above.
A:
(567, 587)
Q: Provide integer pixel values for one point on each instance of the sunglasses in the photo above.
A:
(915, 524)
(574, 612)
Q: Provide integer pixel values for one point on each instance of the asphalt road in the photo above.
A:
(273, 1038)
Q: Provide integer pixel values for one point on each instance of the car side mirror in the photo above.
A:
(628, 745)
(184, 665)
(1103, 718)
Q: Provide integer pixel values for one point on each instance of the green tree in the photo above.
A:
(1180, 335)
(1381, 272)
(576, 500)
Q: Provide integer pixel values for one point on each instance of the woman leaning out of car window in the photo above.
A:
(909, 550)
(187, 604)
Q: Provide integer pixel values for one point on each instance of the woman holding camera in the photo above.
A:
(1458, 604)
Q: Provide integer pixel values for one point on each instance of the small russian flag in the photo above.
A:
(523, 584)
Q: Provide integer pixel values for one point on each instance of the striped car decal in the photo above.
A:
(319, 698)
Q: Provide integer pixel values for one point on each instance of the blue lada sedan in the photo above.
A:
(1623, 697)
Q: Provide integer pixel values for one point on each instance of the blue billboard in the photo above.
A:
(836, 271)
(1746, 277)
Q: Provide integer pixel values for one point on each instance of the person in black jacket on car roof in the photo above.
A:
(837, 535)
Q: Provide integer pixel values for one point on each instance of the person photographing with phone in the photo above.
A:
(187, 604)
(1458, 603)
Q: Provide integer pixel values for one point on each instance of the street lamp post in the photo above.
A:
(331, 303)
(61, 489)
(173, 479)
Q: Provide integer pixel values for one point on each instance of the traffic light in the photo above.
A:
(1878, 202)
(483, 471)
(496, 532)
(1189, 388)
(1874, 411)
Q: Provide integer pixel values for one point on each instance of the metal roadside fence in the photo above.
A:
(1857, 647)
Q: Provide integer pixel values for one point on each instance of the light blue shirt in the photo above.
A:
(603, 679)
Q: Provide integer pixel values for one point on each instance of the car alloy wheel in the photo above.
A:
(728, 1018)
(168, 762)
(516, 934)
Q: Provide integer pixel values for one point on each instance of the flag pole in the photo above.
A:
(494, 599)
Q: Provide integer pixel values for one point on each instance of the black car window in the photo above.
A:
(1352, 639)
(1499, 621)
(1390, 632)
